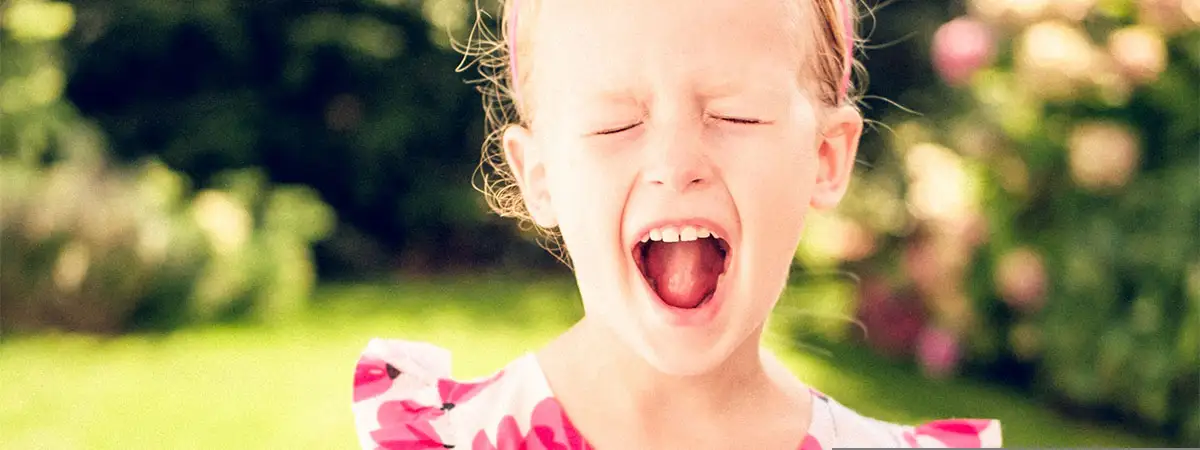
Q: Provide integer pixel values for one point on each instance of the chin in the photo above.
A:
(691, 345)
(684, 359)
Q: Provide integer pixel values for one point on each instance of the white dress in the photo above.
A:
(404, 398)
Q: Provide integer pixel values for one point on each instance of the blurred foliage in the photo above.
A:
(1039, 225)
(95, 246)
(355, 98)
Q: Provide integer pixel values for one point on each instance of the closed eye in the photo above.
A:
(617, 130)
(739, 120)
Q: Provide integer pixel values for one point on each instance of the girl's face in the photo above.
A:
(650, 118)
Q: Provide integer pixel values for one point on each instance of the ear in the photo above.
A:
(836, 151)
(524, 160)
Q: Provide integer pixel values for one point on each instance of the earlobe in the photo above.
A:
(525, 162)
(836, 152)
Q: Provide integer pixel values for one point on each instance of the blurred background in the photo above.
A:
(207, 208)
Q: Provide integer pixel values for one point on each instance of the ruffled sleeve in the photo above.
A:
(954, 433)
(404, 397)
(836, 426)
(395, 395)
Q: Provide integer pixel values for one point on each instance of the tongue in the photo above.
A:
(684, 273)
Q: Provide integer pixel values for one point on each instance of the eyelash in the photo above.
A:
(733, 120)
(739, 120)
(617, 130)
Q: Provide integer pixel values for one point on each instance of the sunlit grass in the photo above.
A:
(288, 385)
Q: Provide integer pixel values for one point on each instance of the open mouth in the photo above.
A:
(682, 265)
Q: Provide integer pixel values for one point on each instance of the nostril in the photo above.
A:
(677, 182)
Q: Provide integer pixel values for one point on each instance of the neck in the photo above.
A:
(593, 357)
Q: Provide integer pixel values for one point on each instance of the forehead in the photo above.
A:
(616, 46)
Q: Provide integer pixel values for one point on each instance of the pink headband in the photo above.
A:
(844, 11)
(848, 28)
(512, 46)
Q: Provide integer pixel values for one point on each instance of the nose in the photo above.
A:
(677, 161)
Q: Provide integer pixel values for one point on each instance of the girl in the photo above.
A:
(675, 146)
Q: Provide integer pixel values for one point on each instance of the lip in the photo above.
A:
(685, 317)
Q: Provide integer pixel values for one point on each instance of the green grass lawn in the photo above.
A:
(288, 385)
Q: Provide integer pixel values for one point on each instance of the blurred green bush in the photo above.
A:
(95, 246)
(355, 98)
(1039, 226)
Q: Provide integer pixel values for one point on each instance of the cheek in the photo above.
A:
(773, 184)
(773, 205)
(772, 190)
(586, 194)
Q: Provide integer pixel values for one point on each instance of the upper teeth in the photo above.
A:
(677, 234)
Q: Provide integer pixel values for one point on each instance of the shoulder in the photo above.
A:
(405, 397)
(844, 427)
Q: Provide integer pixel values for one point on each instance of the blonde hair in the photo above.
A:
(495, 55)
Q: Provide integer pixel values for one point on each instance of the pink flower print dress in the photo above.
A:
(405, 399)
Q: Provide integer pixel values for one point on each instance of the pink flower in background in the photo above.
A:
(1055, 59)
(1012, 12)
(935, 262)
(892, 322)
(854, 241)
(938, 352)
(1021, 279)
(833, 238)
(960, 48)
(1171, 16)
(1074, 10)
(1140, 52)
(943, 189)
(921, 263)
(1103, 155)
